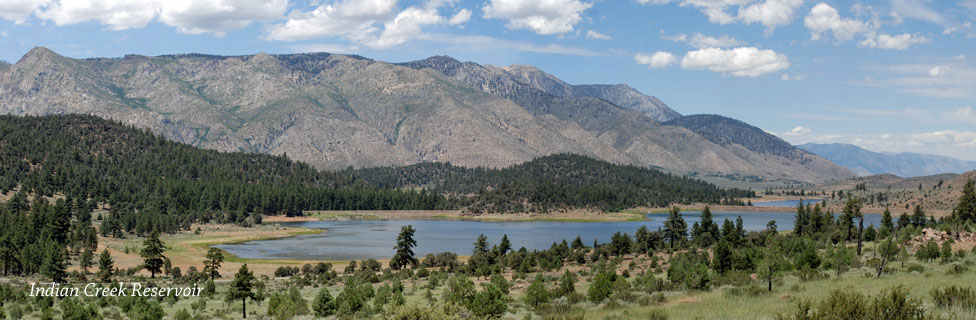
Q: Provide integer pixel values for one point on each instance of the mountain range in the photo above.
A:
(335, 111)
(865, 162)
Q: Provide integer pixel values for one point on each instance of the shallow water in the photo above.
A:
(364, 239)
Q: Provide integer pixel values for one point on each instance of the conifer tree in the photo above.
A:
(152, 253)
(404, 249)
(241, 287)
(106, 266)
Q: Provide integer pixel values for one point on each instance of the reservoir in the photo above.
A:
(365, 239)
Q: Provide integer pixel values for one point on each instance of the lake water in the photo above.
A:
(364, 239)
(785, 203)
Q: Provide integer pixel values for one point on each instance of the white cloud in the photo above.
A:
(739, 62)
(218, 16)
(187, 16)
(19, 10)
(656, 60)
(117, 15)
(797, 131)
(769, 13)
(897, 42)
(542, 17)
(3, 33)
(353, 19)
(702, 41)
(359, 22)
(938, 71)
(590, 34)
(407, 25)
(823, 18)
(960, 57)
(917, 9)
(460, 17)
(795, 77)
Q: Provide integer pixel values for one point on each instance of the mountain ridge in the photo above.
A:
(335, 111)
(906, 164)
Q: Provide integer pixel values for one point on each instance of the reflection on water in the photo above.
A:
(785, 203)
(364, 239)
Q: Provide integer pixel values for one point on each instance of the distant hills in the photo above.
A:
(865, 162)
(335, 111)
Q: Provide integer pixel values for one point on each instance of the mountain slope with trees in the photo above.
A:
(334, 111)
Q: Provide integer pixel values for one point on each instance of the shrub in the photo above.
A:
(893, 303)
(953, 296)
(602, 286)
(490, 302)
(287, 305)
(324, 305)
(656, 314)
(957, 269)
(536, 294)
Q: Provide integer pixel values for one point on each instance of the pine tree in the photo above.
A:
(324, 305)
(966, 208)
(722, 262)
(404, 249)
(106, 266)
(211, 266)
(85, 260)
(55, 264)
(505, 245)
(152, 253)
(675, 227)
(241, 287)
(852, 210)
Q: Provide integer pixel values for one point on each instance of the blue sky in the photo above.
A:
(892, 76)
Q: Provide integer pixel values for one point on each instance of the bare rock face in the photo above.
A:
(336, 111)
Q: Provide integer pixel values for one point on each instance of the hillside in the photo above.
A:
(335, 111)
(865, 162)
(554, 181)
(937, 194)
(84, 157)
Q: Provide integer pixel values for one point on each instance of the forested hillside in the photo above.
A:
(563, 180)
(171, 184)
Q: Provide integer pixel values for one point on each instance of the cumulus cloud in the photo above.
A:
(739, 62)
(769, 13)
(360, 21)
(218, 16)
(117, 15)
(406, 26)
(590, 34)
(897, 42)
(18, 10)
(187, 16)
(542, 17)
(460, 17)
(354, 19)
(656, 60)
(824, 18)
